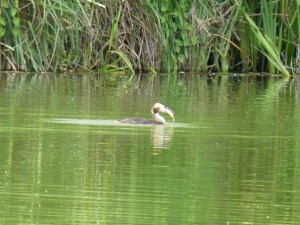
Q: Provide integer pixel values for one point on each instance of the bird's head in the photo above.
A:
(160, 107)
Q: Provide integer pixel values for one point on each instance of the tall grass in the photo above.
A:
(152, 35)
(267, 40)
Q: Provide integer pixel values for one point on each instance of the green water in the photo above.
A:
(231, 157)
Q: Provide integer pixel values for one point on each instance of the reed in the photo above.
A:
(267, 40)
(153, 35)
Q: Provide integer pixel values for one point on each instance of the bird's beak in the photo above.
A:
(170, 113)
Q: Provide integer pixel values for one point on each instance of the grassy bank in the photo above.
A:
(151, 35)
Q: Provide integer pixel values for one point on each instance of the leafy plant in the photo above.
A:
(152, 35)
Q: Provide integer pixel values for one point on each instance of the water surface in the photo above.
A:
(231, 157)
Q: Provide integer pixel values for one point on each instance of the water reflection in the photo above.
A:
(231, 157)
(161, 137)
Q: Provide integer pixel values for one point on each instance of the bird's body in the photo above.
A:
(156, 109)
(138, 121)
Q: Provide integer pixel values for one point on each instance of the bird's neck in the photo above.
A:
(159, 118)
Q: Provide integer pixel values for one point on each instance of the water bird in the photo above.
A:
(155, 110)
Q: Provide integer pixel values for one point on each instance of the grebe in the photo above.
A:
(156, 109)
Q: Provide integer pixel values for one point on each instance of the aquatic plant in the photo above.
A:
(152, 35)
(267, 40)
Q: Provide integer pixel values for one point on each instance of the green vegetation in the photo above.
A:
(152, 35)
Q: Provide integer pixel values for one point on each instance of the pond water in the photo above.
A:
(231, 157)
